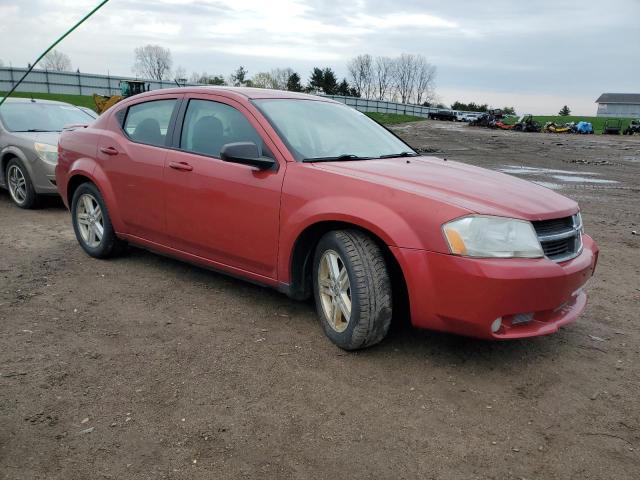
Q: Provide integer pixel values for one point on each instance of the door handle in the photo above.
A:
(184, 166)
(109, 150)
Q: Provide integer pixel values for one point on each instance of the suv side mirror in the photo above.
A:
(246, 153)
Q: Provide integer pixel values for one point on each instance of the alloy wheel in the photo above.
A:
(90, 220)
(17, 184)
(335, 290)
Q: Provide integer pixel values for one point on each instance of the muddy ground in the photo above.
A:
(148, 368)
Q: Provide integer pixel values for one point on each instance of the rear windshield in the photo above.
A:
(41, 117)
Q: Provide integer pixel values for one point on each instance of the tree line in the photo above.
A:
(408, 78)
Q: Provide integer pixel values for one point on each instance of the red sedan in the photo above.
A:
(313, 198)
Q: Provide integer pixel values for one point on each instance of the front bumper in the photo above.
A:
(465, 295)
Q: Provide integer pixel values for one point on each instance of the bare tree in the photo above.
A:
(280, 77)
(153, 61)
(406, 76)
(425, 80)
(56, 61)
(263, 80)
(384, 75)
(180, 75)
(361, 72)
(1, 64)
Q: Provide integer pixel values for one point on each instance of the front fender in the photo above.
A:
(368, 214)
(12, 151)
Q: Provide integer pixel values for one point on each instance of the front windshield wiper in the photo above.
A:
(35, 130)
(339, 158)
(398, 155)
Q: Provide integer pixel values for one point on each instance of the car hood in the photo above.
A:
(475, 189)
(42, 137)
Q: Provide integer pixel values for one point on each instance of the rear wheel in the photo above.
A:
(92, 224)
(352, 289)
(20, 186)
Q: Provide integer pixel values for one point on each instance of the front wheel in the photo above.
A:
(352, 289)
(20, 186)
(92, 224)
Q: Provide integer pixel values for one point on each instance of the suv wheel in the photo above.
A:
(19, 185)
(352, 289)
(92, 224)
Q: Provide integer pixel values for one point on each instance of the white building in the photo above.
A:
(626, 105)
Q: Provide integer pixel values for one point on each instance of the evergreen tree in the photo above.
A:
(239, 78)
(293, 83)
(343, 88)
(564, 111)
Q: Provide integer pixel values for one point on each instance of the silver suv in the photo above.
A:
(29, 131)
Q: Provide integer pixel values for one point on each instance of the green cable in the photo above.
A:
(51, 48)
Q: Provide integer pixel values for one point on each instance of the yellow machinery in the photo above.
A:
(128, 88)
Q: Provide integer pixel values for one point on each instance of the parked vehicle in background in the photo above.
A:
(315, 199)
(612, 126)
(633, 128)
(29, 131)
(443, 114)
(527, 124)
(469, 116)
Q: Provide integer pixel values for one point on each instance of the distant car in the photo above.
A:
(469, 116)
(443, 114)
(29, 131)
(315, 199)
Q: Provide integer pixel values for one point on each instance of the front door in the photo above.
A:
(224, 212)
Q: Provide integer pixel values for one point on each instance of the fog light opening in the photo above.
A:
(521, 318)
(497, 323)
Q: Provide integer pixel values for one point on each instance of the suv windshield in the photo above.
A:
(317, 130)
(40, 117)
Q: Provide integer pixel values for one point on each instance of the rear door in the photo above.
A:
(132, 155)
(224, 212)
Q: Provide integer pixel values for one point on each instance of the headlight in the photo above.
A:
(48, 153)
(486, 236)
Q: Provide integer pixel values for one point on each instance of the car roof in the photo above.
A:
(35, 100)
(242, 92)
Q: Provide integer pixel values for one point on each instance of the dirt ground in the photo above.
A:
(147, 368)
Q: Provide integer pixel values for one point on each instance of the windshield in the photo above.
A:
(316, 130)
(40, 117)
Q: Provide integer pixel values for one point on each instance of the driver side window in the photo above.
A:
(209, 125)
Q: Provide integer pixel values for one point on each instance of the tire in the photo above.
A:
(369, 289)
(89, 215)
(20, 185)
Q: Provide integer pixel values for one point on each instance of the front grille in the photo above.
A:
(561, 238)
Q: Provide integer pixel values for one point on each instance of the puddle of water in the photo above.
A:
(551, 185)
(572, 178)
(541, 171)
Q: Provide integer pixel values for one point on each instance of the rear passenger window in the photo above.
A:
(208, 126)
(149, 122)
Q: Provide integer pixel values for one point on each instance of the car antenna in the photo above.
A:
(177, 82)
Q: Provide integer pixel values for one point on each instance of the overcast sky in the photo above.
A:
(535, 55)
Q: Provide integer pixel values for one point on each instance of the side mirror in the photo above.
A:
(246, 153)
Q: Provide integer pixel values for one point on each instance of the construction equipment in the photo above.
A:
(612, 126)
(128, 88)
(527, 124)
(633, 128)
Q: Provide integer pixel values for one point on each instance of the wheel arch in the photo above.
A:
(6, 156)
(301, 262)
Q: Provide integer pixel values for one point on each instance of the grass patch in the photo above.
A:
(597, 122)
(79, 100)
(393, 118)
